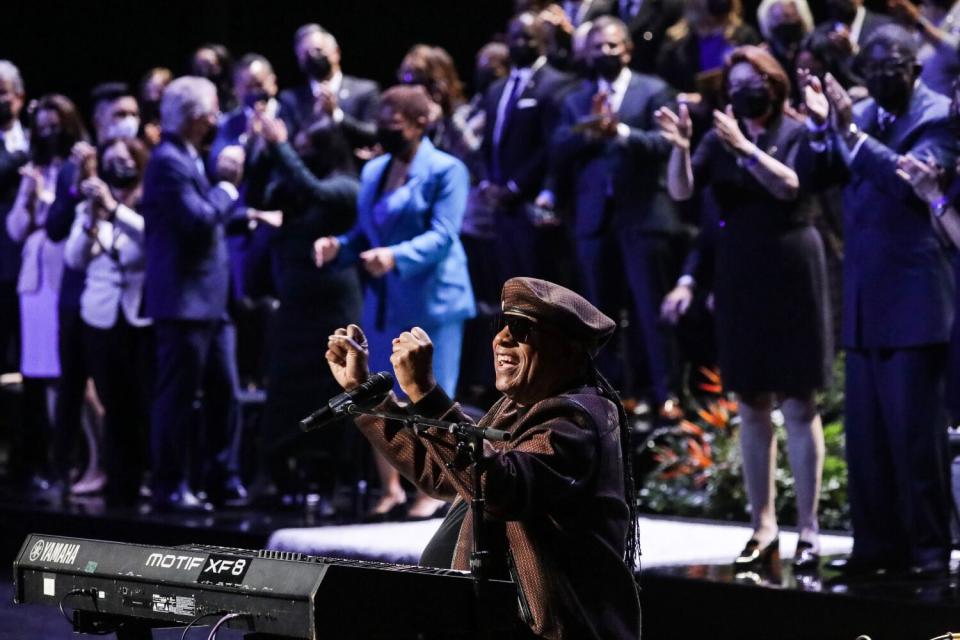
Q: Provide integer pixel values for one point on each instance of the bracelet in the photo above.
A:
(940, 206)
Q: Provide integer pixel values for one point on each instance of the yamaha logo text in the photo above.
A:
(57, 552)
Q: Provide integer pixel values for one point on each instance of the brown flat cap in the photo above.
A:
(546, 302)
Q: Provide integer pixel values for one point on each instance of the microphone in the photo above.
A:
(365, 396)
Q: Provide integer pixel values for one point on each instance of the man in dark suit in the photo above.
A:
(625, 224)
(13, 155)
(351, 102)
(187, 278)
(521, 115)
(648, 21)
(897, 311)
(854, 22)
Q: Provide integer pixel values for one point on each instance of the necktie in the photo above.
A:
(514, 87)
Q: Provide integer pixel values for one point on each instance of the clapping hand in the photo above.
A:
(348, 354)
(97, 191)
(378, 262)
(841, 106)
(326, 102)
(273, 130)
(728, 130)
(230, 164)
(325, 250)
(923, 175)
(412, 361)
(814, 99)
(675, 129)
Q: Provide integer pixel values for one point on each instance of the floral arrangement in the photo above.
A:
(693, 468)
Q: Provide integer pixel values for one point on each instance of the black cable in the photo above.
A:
(74, 592)
(198, 619)
(93, 595)
(631, 549)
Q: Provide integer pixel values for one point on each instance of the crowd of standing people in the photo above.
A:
(797, 183)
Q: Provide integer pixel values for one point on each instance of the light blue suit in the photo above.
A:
(430, 286)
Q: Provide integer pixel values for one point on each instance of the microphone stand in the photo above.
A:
(469, 451)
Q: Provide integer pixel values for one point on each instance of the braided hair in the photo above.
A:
(631, 548)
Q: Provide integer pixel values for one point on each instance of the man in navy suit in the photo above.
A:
(648, 22)
(897, 309)
(351, 102)
(255, 87)
(625, 224)
(13, 155)
(187, 278)
(521, 116)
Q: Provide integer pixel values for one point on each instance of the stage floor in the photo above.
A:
(688, 586)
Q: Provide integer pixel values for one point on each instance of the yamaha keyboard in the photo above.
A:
(283, 594)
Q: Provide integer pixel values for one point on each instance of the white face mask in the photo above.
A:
(125, 127)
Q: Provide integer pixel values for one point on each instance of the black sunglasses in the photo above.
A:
(520, 327)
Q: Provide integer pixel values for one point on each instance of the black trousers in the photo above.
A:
(626, 267)
(9, 326)
(196, 363)
(29, 442)
(122, 364)
(71, 390)
(897, 454)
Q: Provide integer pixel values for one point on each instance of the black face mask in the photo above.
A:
(891, 92)
(6, 112)
(47, 147)
(392, 141)
(209, 137)
(841, 11)
(483, 78)
(719, 8)
(317, 66)
(523, 55)
(120, 176)
(750, 102)
(788, 34)
(607, 67)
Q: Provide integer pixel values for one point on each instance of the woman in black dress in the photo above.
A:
(769, 285)
(313, 184)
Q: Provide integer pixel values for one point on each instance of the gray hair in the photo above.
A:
(10, 73)
(308, 30)
(763, 15)
(186, 98)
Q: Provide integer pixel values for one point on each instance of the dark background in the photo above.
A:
(69, 46)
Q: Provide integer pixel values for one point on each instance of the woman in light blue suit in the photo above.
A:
(410, 208)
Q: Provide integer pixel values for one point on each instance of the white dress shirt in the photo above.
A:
(15, 139)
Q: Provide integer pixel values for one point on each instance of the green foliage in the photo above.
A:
(695, 470)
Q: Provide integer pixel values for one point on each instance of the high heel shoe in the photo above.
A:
(806, 558)
(383, 513)
(753, 554)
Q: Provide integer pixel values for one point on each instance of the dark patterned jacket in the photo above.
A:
(558, 487)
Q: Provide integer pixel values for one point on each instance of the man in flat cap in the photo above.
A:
(560, 513)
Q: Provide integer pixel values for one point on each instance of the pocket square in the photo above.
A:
(526, 103)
